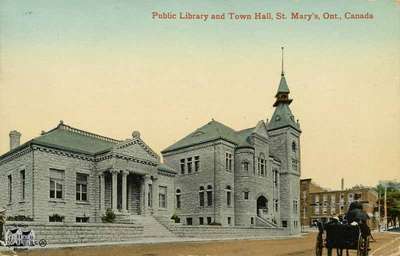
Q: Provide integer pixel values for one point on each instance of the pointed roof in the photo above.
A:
(282, 117)
(283, 87)
(213, 130)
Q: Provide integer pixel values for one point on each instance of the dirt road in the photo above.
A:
(386, 245)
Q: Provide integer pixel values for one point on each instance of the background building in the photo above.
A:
(321, 204)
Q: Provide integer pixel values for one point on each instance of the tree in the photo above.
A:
(392, 201)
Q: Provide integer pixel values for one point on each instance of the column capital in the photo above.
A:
(147, 178)
(113, 171)
(125, 172)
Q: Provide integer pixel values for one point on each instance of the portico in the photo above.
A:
(126, 192)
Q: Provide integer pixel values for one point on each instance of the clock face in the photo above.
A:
(277, 118)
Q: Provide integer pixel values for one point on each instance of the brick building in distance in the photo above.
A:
(321, 204)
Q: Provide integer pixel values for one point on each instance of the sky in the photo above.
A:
(108, 67)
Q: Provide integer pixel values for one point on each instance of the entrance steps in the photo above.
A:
(151, 226)
(262, 222)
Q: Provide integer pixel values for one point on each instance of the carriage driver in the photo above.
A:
(356, 214)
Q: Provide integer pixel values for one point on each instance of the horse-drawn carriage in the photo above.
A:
(342, 237)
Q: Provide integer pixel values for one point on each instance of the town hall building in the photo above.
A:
(247, 178)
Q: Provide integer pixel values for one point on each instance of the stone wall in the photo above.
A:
(227, 232)
(13, 165)
(56, 233)
(68, 206)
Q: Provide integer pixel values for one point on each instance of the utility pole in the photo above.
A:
(379, 211)
(385, 209)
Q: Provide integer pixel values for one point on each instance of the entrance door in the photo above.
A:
(262, 206)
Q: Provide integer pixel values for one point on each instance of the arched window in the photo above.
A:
(294, 146)
(201, 196)
(209, 195)
(178, 198)
(228, 195)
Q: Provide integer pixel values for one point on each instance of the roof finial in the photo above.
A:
(283, 72)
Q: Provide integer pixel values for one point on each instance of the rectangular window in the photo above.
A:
(9, 188)
(228, 161)
(294, 164)
(262, 167)
(201, 221)
(162, 196)
(284, 223)
(209, 198)
(201, 198)
(196, 163)
(189, 165)
(82, 219)
(228, 198)
(183, 166)
(245, 166)
(209, 220)
(246, 195)
(229, 220)
(81, 187)
(56, 184)
(252, 220)
(295, 206)
(178, 201)
(189, 221)
(276, 178)
(150, 196)
(276, 205)
(22, 175)
(56, 218)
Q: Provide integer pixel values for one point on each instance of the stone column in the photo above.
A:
(147, 181)
(124, 187)
(114, 190)
(102, 192)
(155, 194)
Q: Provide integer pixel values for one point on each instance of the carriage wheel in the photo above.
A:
(319, 246)
(363, 245)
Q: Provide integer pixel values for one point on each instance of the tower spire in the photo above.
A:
(283, 72)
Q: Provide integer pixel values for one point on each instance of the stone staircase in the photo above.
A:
(262, 222)
(152, 226)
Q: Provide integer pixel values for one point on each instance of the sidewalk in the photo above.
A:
(157, 240)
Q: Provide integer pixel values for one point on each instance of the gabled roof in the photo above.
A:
(213, 130)
(282, 117)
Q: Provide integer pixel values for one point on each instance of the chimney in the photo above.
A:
(15, 138)
(342, 184)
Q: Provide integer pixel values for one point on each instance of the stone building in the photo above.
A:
(69, 175)
(321, 204)
(245, 178)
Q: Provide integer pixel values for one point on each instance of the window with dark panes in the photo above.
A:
(81, 187)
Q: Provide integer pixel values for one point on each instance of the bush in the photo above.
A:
(109, 217)
(175, 218)
(19, 218)
(56, 218)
